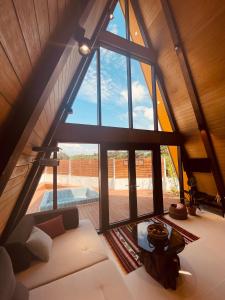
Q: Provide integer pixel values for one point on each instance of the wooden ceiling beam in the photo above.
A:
(115, 43)
(71, 133)
(38, 88)
(194, 97)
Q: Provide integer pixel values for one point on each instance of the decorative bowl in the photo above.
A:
(157, 234)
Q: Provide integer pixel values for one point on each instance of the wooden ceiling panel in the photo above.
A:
(5, 109)
(7, 201)
(53, 14)
(25, 11)
(168, 63)
(41, 10)
(12, 40)
(10, 85)
(204, 43)
(61, 7)
(194, 145)
(90, 22)
(195, 32)
(206, 183)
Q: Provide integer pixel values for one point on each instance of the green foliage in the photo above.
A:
(170, 170)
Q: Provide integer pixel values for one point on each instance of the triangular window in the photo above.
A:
(117, 24)
(124, 23)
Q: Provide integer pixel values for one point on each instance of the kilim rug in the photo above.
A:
(125, 247)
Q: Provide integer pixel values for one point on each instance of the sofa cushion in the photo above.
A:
(9, 288)
(23, 230)
(101, 281)
(19, 255)
(75, 250)
(39, 244)
(7, 278)
(53, 227)
(70, 216)
(20, 292)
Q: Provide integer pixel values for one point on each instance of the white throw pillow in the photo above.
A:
(40, 244)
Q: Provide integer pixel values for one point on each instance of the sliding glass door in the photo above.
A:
(144, 180)
(129, 183)
(118, 185)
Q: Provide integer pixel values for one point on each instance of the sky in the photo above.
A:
(78, 149)
(114, 94)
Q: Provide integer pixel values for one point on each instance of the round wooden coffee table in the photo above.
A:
(162, 263)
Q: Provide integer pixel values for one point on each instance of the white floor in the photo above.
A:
(202, 265)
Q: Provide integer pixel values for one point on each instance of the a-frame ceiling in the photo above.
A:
(27, 29)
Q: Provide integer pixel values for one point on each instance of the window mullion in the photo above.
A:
(99, 108)
(154, 98)
(127, 20)
(129, 93)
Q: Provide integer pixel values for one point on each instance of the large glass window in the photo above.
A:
(143, 117)
(45, 185)
(114, 96)
(85, 104)
(77, 182)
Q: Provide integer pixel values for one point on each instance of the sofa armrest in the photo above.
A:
(70, 216)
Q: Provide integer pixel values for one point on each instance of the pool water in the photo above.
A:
(69, 197)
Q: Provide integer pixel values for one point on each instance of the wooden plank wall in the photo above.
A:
(204, 42)
(25, 28)
(201, 24)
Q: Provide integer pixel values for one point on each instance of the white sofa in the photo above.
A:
(73, 251)
(78, 268)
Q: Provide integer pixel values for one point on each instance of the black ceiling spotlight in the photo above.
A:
(84, 43)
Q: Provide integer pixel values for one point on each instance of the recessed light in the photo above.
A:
(136, 33)
(111, 16)
(158, 102)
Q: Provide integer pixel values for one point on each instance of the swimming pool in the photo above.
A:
(69, 197)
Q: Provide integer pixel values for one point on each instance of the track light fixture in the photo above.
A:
(84, 43)
(84, 47)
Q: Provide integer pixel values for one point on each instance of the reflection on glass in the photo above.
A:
(141, 99)
(45, 185)
(118, 184)
(171, 189)
(85, 104)
(117, 25)
(114, 89)
(143, 164)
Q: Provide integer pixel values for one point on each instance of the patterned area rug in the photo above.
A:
(125, 247)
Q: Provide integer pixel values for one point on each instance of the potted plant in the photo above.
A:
(191, 196)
